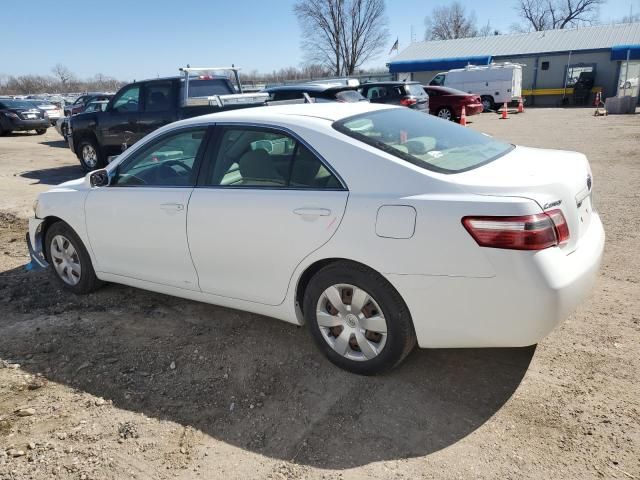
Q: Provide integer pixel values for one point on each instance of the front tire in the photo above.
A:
(357, 319)
(41, 131)
(69, 260)
(90, 156)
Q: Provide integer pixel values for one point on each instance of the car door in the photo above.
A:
(264, 203)
(435, 100)
(119, 123)
(137, 225)
(158, 107)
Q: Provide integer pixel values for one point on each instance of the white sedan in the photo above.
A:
(377, 226)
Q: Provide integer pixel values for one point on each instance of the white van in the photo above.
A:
(496, 83)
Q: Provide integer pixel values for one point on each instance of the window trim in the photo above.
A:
(214, 144)
(197, 163)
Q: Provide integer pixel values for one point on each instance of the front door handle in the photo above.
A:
(315, 212)
(172, 207)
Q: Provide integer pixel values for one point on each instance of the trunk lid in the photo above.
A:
(554, 179)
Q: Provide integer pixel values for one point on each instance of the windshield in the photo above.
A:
(349, 96)
(208, 88)
(414, 89)
(423, 140)
(17, 104)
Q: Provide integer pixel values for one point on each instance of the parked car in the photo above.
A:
(82, 101)
(21, 115)
(377, 226)
(495, 84)
(447, 103)
(407, 94)
(62, 124)
(53, 111)
(142, 107)
(318, 92)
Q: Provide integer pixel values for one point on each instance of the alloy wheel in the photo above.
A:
(445, 113)
(351, 322)
(89, 155)
(65, 260)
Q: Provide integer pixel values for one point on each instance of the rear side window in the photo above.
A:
(423, 140)
(157, 97)
(252, 157)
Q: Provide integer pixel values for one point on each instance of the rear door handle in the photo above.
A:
(172, 207)
(316, 212)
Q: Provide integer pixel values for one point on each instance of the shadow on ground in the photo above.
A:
(120, 342)
(56, 144)
(55, 175)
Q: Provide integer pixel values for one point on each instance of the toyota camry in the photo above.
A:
(378, 227)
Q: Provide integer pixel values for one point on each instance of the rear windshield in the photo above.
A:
(208, 88)
(349, 96)
(414, 89)
(17, 104)
(423, 140)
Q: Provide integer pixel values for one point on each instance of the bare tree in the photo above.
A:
(64, 75)
(446, 23)
(341, 34)
(364, 33)
(558, 14)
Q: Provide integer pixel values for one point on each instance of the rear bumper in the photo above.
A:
(473, 109)
(19, 124)
(530, 294)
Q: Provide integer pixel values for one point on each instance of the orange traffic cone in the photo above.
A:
(463, 117)
(596, 100)
(504, 112)
(520, 106)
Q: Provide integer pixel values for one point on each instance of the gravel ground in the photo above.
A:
(130, 384)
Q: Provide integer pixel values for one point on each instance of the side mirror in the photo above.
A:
(99, 178)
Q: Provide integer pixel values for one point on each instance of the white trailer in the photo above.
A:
(496, 83)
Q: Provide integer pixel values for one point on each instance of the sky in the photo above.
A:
(136, 39)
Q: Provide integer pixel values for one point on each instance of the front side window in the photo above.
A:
(255, 157)
(128, 101)
(167, 162)
(423, 140)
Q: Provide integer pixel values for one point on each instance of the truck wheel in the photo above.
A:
(487, 103)
(41, 131)
(89, 155)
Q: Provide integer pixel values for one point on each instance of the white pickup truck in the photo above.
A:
(496, 83)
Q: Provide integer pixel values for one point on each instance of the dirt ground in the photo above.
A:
(129, 384)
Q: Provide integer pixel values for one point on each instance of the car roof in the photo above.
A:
(388, 82)
(310, 87)
(331, 112)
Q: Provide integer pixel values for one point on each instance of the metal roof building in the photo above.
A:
(552, 57)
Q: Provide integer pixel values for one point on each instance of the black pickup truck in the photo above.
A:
(139, 108)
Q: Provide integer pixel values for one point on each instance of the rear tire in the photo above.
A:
(90, 155)
(368, 338)
(446, 114)
(69, 260)
(41, 131)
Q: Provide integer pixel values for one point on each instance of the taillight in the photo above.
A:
(528, 232)
(408, 101)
